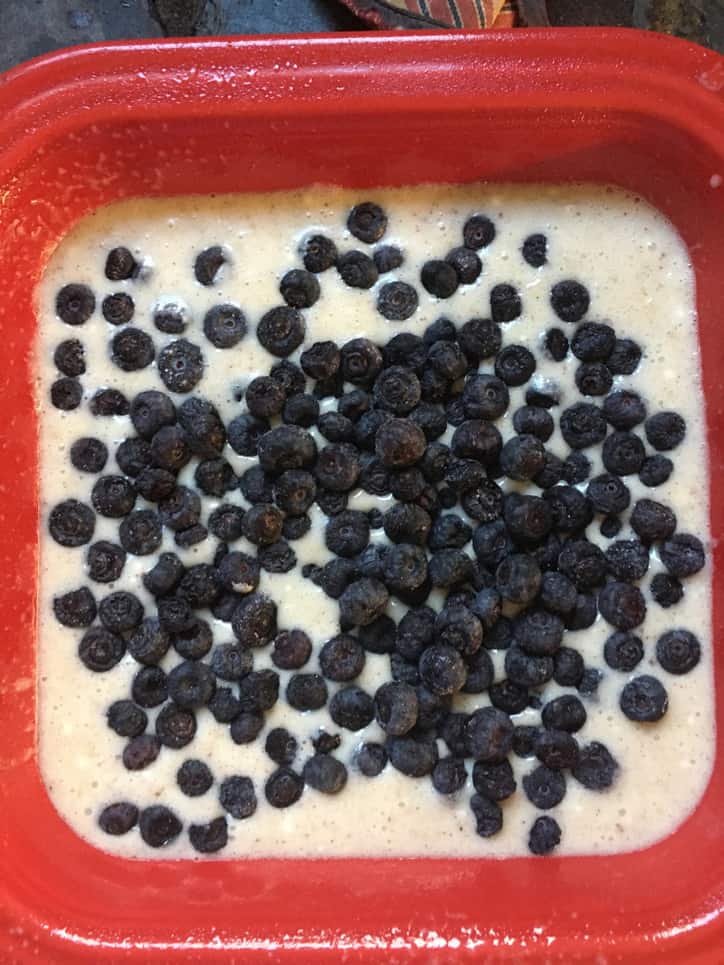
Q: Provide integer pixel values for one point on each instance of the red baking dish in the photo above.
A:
(85, 127)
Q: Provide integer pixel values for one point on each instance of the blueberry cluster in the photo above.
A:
(485, 538)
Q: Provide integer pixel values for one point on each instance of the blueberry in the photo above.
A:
(362, 602)
(655, 470)
(256, 486)
(583, 563)
(224, 706)
(522, 457)
(338, 468)
(357, 270)
(342, 658)
(397, 301)
(294, 491)
(652, 521)
(528, 518)
(442, 669)
(439, 278)
(191, 684)
(117, 309)
(487, 607)
(565, 713)
(318, 253)
(175, 726)
(405, 568)
(237, 796)
(133, 455)
(682, 555)
(245, 727)
(286, 447)
(505, 303)
(299, 289)
(556, 344)
(361, 361)
(262, 524)
(74, 304)
(66, 394)
(535, 421)
(492, 543)
(518, 578)
(254, 620)
(593, 342)
(180, 365)
(132, 349)
(181, 509)
(229, 661)
(596, 768)
(120, 611)
(306, 691)
(164, 576)
(259, 691)
(508, 696)
(277, 557)
(69, 357)
(449, 775)
(666, 590)
(291, 650)
(210, 837)
(515, 364)
(387, 258)
(367, 221)
(544, 836)
(489, 735)
(583, 425)
(624, 358)
(295, 527)
(538, 631)
(140, 752)
(610, 527)
(570, 300)
(325, 773)
(399, 443)
(195, 642)
(534, 250)
(487, 814)
(325, 743)
(159, 825)
(244, 433)
(281, 330)
(466, 263)
(624, 409)
(545, 788)
(480, 338)
(283, 788)
(622, 605)
(447, 360)
(118, 818)
(576, 468)
(623, 651)
(556, 749)
(215, 477)
(170, 318)
(678, 651)
(448, 567)
(478, 232)
(113, 496)
(77, 608)
(280, 745)
(524, 739)
(477, 440)
(378, 636)
(623, 453)
(333, 426)
(405, 523)
(194, 778)
(593, 379)
(126, 719)
(456, 626)
(665, 430)
(412, 757)
(100, 649)
(568, 667)
(627, 559)
(557, 593)
(71, 523)
(526, 669)
(351, 708)
(644, 699)
(347, 533)
(608, 494)
(494, 781)
(105, 562)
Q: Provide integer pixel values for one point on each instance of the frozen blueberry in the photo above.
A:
(568, 667)
(678, 651)
(108, 402)
(623, 651)
(522, 457)
(627, 559)
(667, 590)
(120, 611)
(175, 726)
(489, 735)
(526, 669)
(210, 837)
(254, 620)
(325, 773)
(126, 719)
(556, 749)
(225, 325)
(623, 453)
(318, 253)
(170, 318)
(367, 221)
(105, 562)
(113, 496)
(665, 430)
(556, 344)
(644, 699)
(515, 364)
(77, 608)
(132, 349)
(194, 778)
(69, 357)
(583, 425)
(544, 787)
(564, 713)
(306, 691)
(622, 605)
(624, 409)
(118, 818)
(584, 563)
(576, 468)
(180, 365)
(262, 524)
(596, 768)
(593, 342)
(159, 825)
(439, 278)
(411, 756)
(246, 726)
(478, 232)
(505, 303)
(397, 301)
(280, 745)
(286, 447)
(534, 250)
(544, 836)
(557, 593)
(237, 796)
(357, 270)
(74, 304)
(682, 554)
(655, 470)
(342, 658)
(624, 358)
(487, 814)
(449, 775)
(66, 394)
(608, 494)
(229, 661)
(538, 631)
(652, 521)
(140, 752)
(281, 330)
(71, 523)
(117, 309)
(88, 454)
(593, 378)
(208, 264)
(224, 706)
(191, 684)
(387, 258)
(610, 526)
(570, 300)
(378, 636)
(534, 421)
(299, 288)
(283, 788)
(351, 708)
(466, 263)
(494, 781)
(442, 669)
(259, 691)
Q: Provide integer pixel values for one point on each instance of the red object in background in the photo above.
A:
(86, 127)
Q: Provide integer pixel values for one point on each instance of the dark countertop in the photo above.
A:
(31, 27)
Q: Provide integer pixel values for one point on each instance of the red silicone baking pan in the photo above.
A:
(79, 129)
